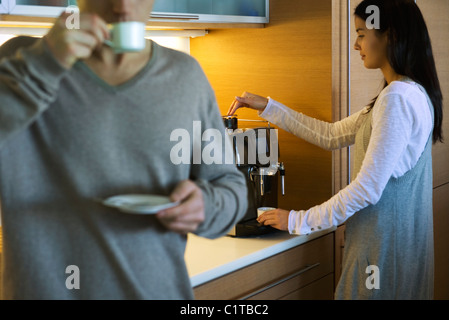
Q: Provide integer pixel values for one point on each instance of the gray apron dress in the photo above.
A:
(388, 250)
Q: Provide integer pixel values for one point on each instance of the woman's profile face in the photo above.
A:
(372, 46)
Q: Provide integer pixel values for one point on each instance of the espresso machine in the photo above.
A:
(256, 153)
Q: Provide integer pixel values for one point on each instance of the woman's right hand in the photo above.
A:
(248, 100)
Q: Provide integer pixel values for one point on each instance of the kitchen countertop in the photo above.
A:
(207, 259)
(211, 259)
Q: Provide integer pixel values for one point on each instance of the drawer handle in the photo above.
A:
(305, 269)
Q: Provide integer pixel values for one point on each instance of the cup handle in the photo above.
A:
(109, 43)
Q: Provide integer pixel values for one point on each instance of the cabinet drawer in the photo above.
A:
(322, 289)
(303, 264)
(298, 287)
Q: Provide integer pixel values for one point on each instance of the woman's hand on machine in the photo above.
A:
(248, 100)
(276, 218)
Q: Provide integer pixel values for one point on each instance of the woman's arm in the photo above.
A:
(329, 136)
(392, 127)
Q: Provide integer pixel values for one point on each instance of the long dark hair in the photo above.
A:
(409, 48)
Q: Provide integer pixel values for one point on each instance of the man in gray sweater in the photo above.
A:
(78, 123)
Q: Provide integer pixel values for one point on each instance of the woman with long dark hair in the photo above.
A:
(387, 206)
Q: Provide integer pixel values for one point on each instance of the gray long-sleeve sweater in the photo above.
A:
(68, 138)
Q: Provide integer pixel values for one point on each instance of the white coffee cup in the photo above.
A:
(262, 210)
(128, 36)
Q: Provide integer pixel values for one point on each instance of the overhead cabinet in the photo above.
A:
(3, 6)
(179, 11)
(213, 11)
(41, 8)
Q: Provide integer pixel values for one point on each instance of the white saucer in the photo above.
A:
(139, 203)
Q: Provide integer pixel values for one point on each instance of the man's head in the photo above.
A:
(118, 10)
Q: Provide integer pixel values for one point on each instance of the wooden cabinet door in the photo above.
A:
(321, 289)
(275, 277)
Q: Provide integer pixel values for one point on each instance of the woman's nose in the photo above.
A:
(356, 46)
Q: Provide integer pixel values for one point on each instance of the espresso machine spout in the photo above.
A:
(282, 174)
(257, 172)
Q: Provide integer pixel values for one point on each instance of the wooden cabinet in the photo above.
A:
(304, 272)
(321, 289)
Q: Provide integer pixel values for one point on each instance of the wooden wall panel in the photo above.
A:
(291, 61)
(366, 84)
(340, 88)
(436, 12)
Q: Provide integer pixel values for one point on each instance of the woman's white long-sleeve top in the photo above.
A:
(401, 125)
